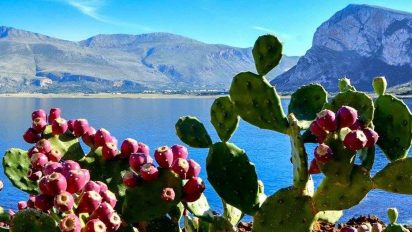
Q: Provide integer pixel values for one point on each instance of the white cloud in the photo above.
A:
(282, 36)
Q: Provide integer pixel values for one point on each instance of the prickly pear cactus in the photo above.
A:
(395, 177)
(393, 226)
(192, 132)
(224, 118)
(32, 220)
(68, 145)
(307, 101)
(267, 53)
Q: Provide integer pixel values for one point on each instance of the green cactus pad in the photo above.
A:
(358, 100)
(345, 85)
(67, 144)
(331, 195)
(200, 208)
(176, 212)
(367, 156)
(143, 203)
(224, 118)
(32, 220)
(257, 102)
(396, 177)
(331, 216)
(192, 132)
(285, 211)
(267, 53)
(221, 224)
(393, 226)
(233, 176)
(379, 85)
(393, 123)
(307, 101)
(162, 224)
(232, 214)
(16, 165)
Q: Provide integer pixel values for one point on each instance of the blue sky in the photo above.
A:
(232, 22)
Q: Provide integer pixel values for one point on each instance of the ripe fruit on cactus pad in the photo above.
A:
(64, 202)
(323, 153)
(355, 140)
(168, 194)
(56, 183)
(54, 114)
(194, 169)
(164, 156)
(89, 201)
(40, 113)
(80, 127)
(371, 136)
(95, 225)
(128, 147)
(59, 126)
(346, 116)
(179, 151)
(193, 189)
(326, 120)
(314, 168)
(149, 172)
(137, 160)
(70, 223)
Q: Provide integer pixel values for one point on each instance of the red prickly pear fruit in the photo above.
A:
(80, 127)
(69, 165)
(31, 151)
(59, 126)
(103, 186)
(95, 225)
(70, 125)
(143, 148)
(317, 131)
(34, 175)
(40, 113)
(346, 116)
(70, 223)
(31, 136)
(109, 151)
(149, 172)
(76, 180)
(179, 151)
(64, 202)
(137, 160)
(193, 189)
(323, 153)
(314, 168)
(54, 114)
(168, 194)
(357, 125)
(89, 201)
(30, 201)
(109, 197)
(43, 186)
(194, 169)
(371, 136)
(44, 146)
(51, 167)
(113, 222)
(88, 137)
(91, 186)
(43, 202)
(38, 161)
(128, 147)
(22, 205)
(102, 212)
(55, 155)
(39, 125)
(355, 140)
(130, 179)
(180, 166)
(164, 156)
(326, 120)
(56, 183)
(102, 137)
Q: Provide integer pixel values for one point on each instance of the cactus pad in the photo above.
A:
(143, 202)
(267, 53)
(162, 224)
(233, 176)
(192, 132)
(232, 214)
(221, 224)
(16, 165)
(396, 177)
(307, 101)
(68, 145)
(393, 123)
(32, 220)
(257, 102)
(331, 216)
(224, 118)
(200, 208)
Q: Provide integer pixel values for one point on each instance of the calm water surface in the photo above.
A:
(152, 122)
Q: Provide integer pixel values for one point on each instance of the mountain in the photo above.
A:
(359, 42)
(32, 62)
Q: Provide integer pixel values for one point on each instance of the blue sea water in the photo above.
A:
(152, 122)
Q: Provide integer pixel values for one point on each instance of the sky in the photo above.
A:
(232, 22)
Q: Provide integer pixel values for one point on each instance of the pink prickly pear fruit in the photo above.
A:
(31, 136)
(103, 186)
(193, 189)
(80, 127)
(113, 222)
(34, 175)
(70, 223)
(43, 186)
(109, 151)
(43, 202)
(55, 155)
(143, 148)
(317, 131)
(194, 169)
(102, 212)
(323, 153)
(40, 113)
(95, 225)
(357, 125)
(314, 168)
(180, 166)
(355, 140)
(164, 156)
(38, 161)
(59, 126)
(371, 136)
(64, 202)
(326, 120)
(69, 165)
(168, 194)
(51, 167)
(44, 146)
(76, 180)
(128, 147)
(56, 183)
(102, 137)
(137, 160)
(39, 125)
(54, 114)
(31, 151)
(91, 186)
(179, 151)
(88, 137)
(89, 201)
(130, 179)
(30, 201)
(70, 125)
(22, 205)
(149, 172)
(109, 197)
(346, 116)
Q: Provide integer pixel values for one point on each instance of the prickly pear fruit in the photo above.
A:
(179, 151)
(64, 202)
(51, 167)
(22, 205)
(56, 183)
(103, 211)
(143, 148)
(149, 172)
(164, 156)
(34, 175)
(102, 137)
(130, 179)
(54, 155)
(326, 120)
(70, 223)
(137, 160)
(109, 197)
(39, 160)
(181, 167)
(76, 180)
(95, 225)
(54, 114)
(317, 131)
(103, 186)
(379, 85)
(371, 137)
(346, 116)
(44, 146)
(194, 169)
(109, 151)
(355, 140)
(92, 186)
(128, 147)
(39, 125)
(168, 194)
(113, 222)
(323, 153)
(314, 168)
(88, 137)
(70, 125)
(89, 201)
(59, 126)
(43, 186)
(193, 189)
(43, 202)
(31, 136)
(80, 127)
(40, 113)
(69, 165)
